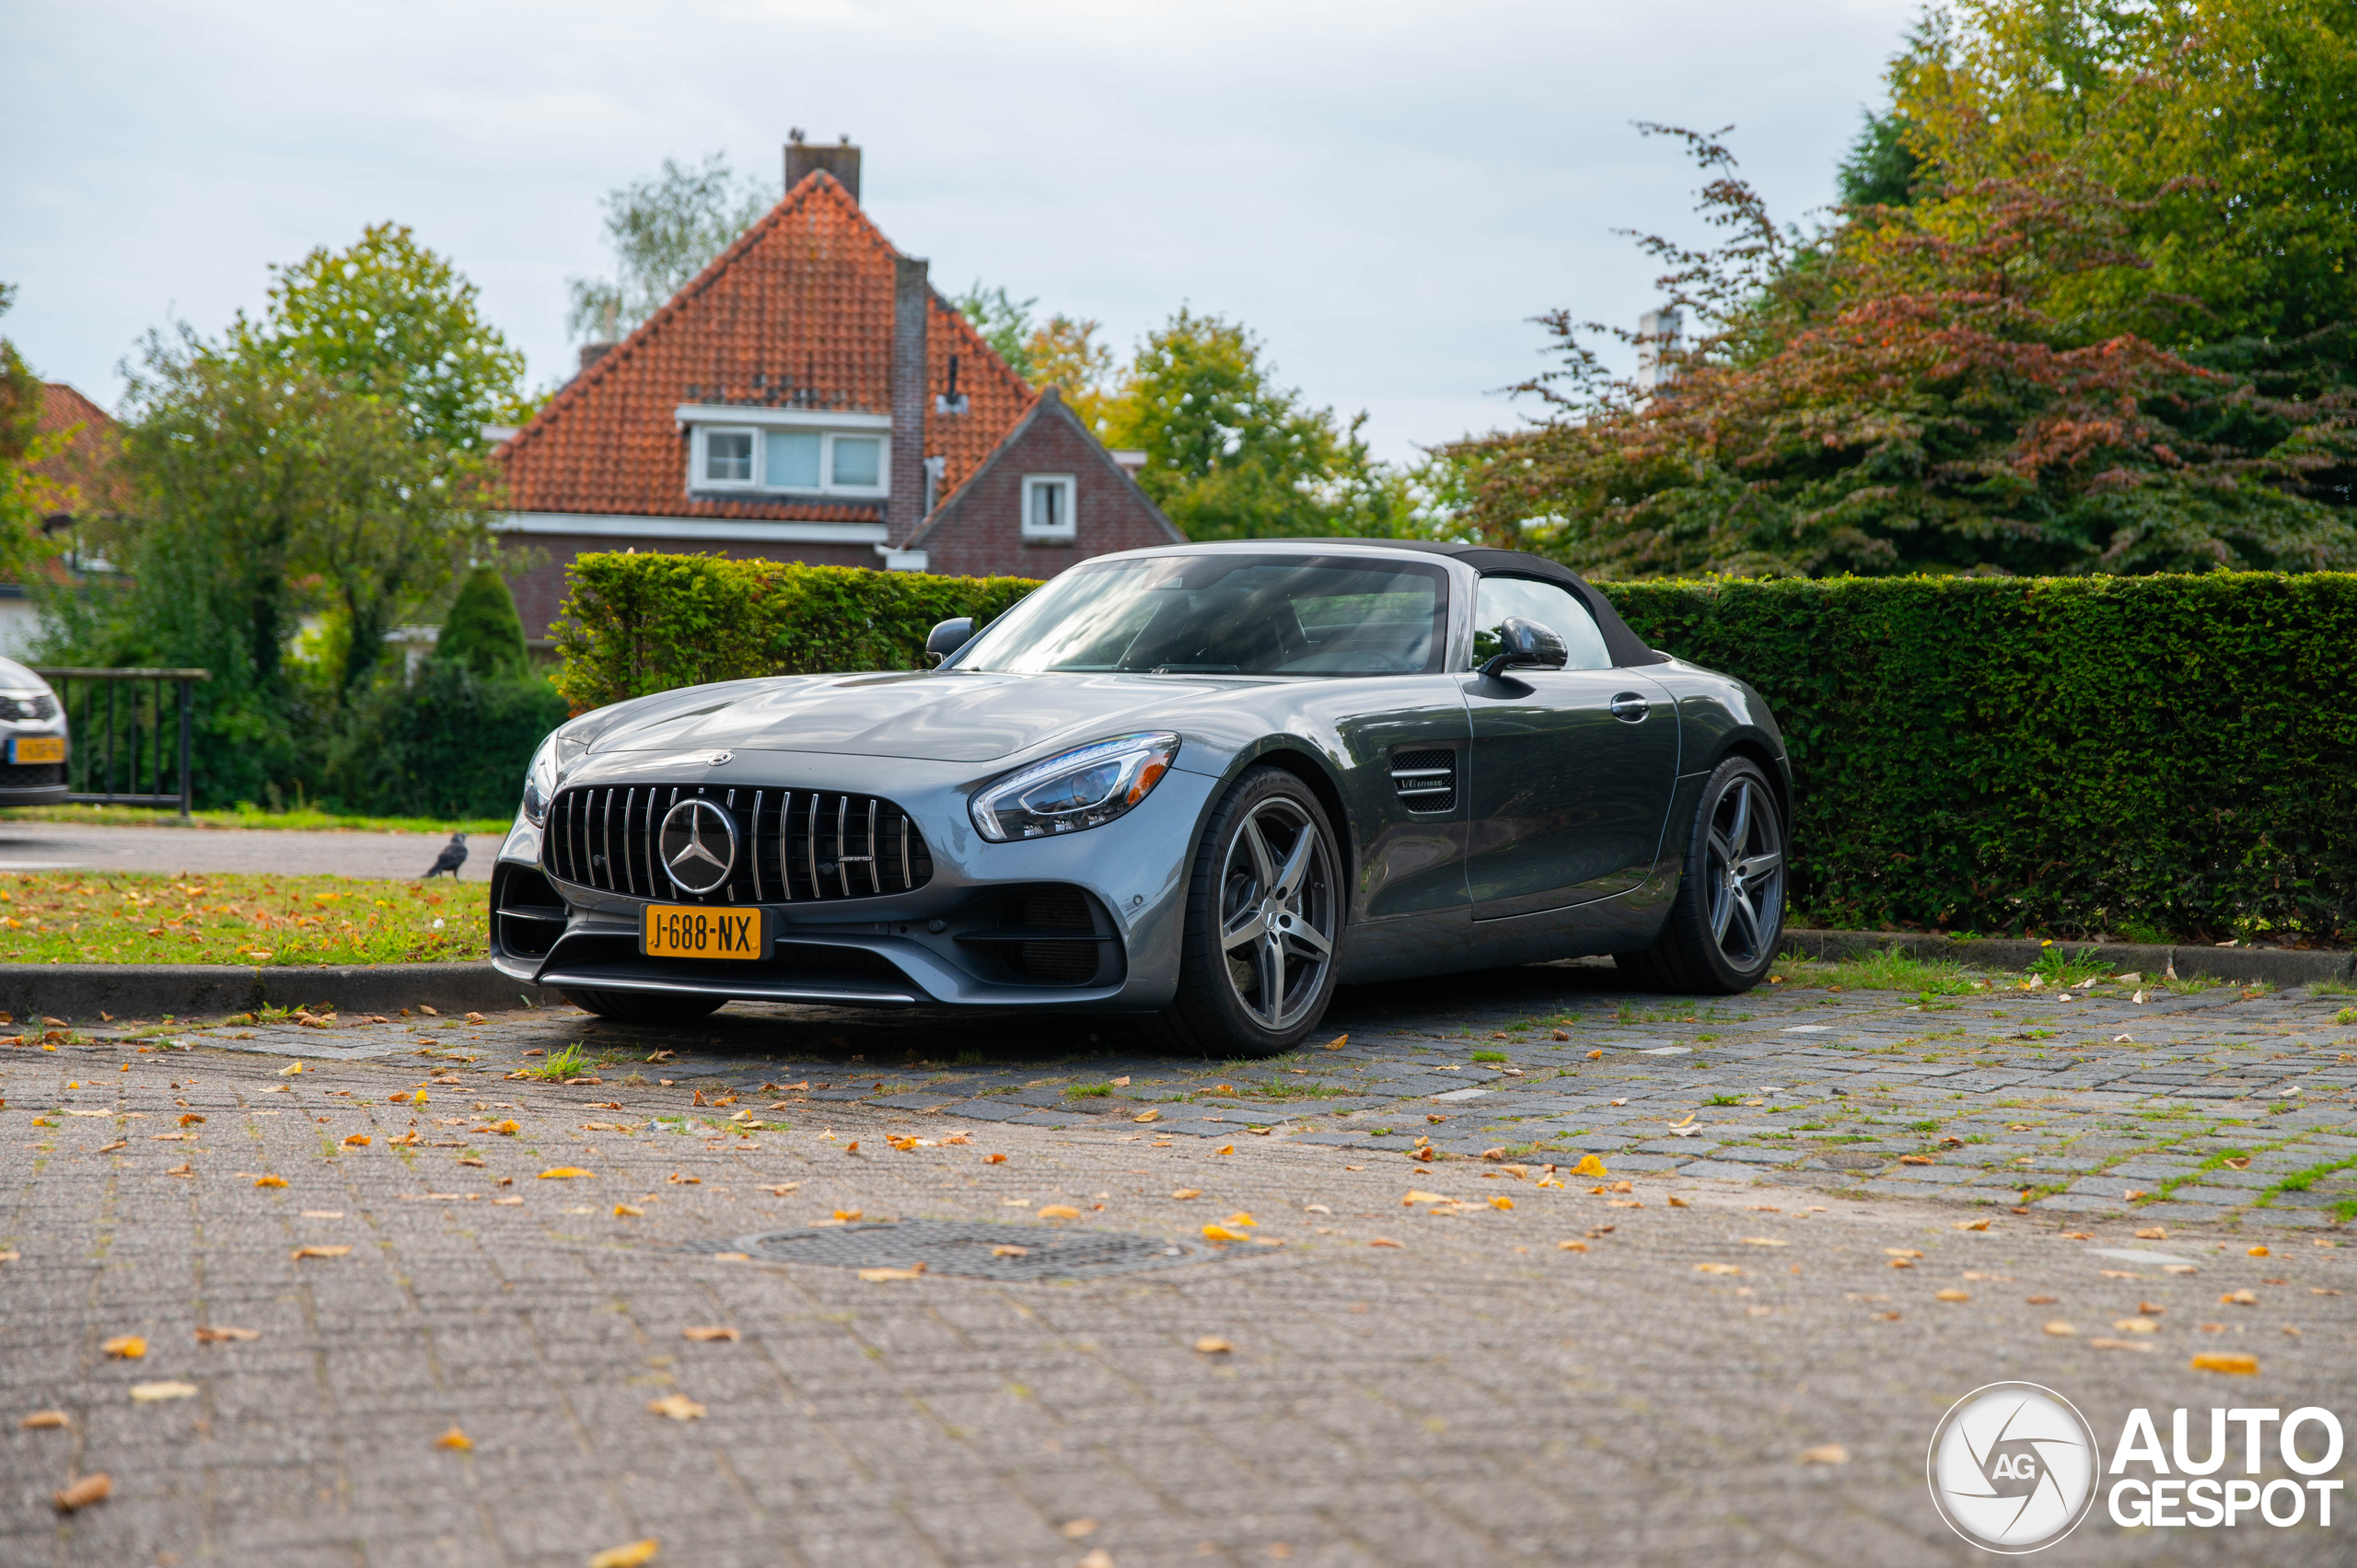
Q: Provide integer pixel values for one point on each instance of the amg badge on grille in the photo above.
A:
(699, 845)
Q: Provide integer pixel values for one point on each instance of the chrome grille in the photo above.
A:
(804, 845)
(1425, 780)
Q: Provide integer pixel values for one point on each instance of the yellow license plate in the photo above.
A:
(685, 930)
(39, 748)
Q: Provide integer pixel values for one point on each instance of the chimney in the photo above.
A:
(802, 161)
(591, 353)
(1658, 336)
(912, 307)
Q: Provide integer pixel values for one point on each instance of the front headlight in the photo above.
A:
(557, 753)
(1084, 788)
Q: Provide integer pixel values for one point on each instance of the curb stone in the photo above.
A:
(2277, 966)
(79, 992)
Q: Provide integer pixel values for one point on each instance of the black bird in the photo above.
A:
(453, 855)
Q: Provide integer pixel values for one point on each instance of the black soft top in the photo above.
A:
(1618, 640)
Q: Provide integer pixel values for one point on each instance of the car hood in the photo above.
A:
(948, 717)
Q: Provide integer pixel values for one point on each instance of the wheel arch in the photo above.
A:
(1286, 752)
(1754, 746)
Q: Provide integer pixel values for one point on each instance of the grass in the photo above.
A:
(2345, 1015)
(2065, 970)
(1491, 1056)
(1277, 1088)
(1087, 1091)
(2332, 988)
(567, 1063)
(246, 815)
(2301, 1180)
(1725, 1099)
(143, 918)
(1889, 970)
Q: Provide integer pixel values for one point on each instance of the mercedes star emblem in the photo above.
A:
(721, 758)
(699, 845)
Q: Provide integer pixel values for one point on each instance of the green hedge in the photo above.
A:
(452, 744)
(635, 624)
(2145, 756)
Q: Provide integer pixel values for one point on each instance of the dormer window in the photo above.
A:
(787, 452)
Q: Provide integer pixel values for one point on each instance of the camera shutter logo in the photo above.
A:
(2013, 1468)
(699, 845)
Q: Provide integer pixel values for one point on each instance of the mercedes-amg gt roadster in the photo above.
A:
(1205, 783)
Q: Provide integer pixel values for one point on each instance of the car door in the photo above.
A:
(1572, 769)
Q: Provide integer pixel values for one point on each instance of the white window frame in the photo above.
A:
(1070, 530)
(701, 462)
(702, 423)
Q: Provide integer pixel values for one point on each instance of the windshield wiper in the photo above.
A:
(1192, 669)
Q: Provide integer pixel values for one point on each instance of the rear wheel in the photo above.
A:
(647, 1006)
(1722, 929)
(1263, 919)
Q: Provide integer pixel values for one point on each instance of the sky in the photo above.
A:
(1386, 193)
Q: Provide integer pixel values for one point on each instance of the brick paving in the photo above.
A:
(1475, 1394)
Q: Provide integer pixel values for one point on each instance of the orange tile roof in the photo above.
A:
(797, 313)
(83, 477)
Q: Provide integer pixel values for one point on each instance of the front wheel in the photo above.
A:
(647, 1006)
(1722, 929)
(1264, 915)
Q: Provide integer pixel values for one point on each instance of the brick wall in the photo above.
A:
(978, 531)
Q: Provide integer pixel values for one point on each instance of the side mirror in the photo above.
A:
(951, 636)
(1526, 644)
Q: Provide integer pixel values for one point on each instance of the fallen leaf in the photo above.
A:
(301, 1252)
(1570, 1247)
(1384, 1241)
(2239, 1298)
(125, 1347)
(630, 1556)
(2060, 1330)
(1675, 1202)
(1828, 1453)
(1211, 1344)
(882, 1276)
(1221, 1233)
(1951, 1296)
(1971, 1225)
(1596, 1056)
(2241, 1366)
(270, 1182)
(148, 1393)
(1183, 1193)
(1147, 1116)
(993, 1159)
(2153, 1233)
(40, 1420)
(213, 1335)
(1241, 1220)
(1098, 1558)
(564, 1173)
(846, 1216)
(1009, 1251)
(2258, 1252)
(290, 1069)
(454, 1440)
(1716, 1269)
(82, 1493)
(1764, 1241)
(1078, 1529)
(118, 1144)
(679, 1407)
(706, 1336)
(2041, 1300)
(1501, 1202)
(2136, 1325)
(1059, 1212)
(1902, 1252)
(356, 1140)
(1590, 1165)
(629, 1212)
(2179, 1268)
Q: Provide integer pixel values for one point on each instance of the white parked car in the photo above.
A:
(33, 738)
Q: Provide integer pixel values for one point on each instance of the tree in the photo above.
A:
(483, 631)
(389, 317)
(25, 496)
(1915, 393)
(1230, 454)
(664, 231)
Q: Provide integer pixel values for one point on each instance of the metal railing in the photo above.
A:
(126, 728)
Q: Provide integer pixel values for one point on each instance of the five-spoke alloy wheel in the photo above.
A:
(1729, 913)
(1263, 919)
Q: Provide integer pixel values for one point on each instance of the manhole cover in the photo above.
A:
(1856, 1161)
(947, 1247)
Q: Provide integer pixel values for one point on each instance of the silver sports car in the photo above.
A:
(1204, 784)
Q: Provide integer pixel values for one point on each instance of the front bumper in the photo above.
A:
(947, 942)
(30, 784)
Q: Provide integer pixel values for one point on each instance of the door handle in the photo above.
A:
(1630, 708)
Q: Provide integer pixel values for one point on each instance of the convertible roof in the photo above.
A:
(1623, 645)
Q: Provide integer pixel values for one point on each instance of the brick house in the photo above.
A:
(810, 397)
(80, 482)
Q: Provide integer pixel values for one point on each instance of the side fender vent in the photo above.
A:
(1425, 780)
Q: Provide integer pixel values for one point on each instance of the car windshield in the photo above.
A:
(1226, 614)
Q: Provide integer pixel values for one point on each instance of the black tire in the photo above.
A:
(1729, 914)
(647, 1006)
(1234, 962)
